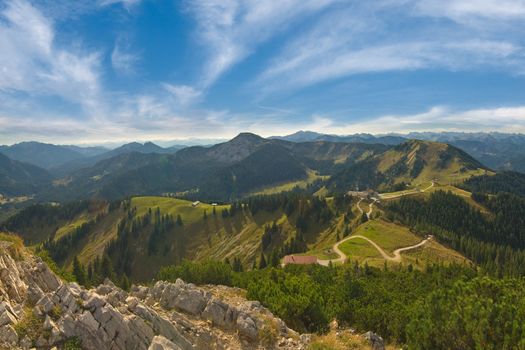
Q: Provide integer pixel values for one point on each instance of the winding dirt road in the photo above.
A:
(370, 207)
(397, 253)
(407, 193)
(359, 207)
(396, 258)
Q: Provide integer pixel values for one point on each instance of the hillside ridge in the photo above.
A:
(39, 309)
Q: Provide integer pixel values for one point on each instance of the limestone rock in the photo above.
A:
(48, 324)
(168, 315)
(192, 301)
(161, 343)
(8, 336)
(247, 326)
(220, 313)
(26, 343)
(375, 340)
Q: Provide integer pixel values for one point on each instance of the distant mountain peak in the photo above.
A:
(247, 136)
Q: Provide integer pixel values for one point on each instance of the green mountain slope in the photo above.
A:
(409, 164)
(229, 170)
(17, 178)
(41, 154)
(143, 234)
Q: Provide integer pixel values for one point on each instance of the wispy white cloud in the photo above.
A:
(360, 39)
(128, 4)
(144, 118)
(123, 59)
(184, 95)
(231, 29)
(32, 63)
(298, 69)
(438, 118)
(337, 39)
(467, 11)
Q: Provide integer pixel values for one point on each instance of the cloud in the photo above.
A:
(360, 39)
(311, 64)
(438, 118)
(184, 95)
(467, 11)
(31, 62)
(128, 4)
(146, 118)
(122, 59)
(230, 30)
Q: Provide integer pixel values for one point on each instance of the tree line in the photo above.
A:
(439, 307)
(494, 240)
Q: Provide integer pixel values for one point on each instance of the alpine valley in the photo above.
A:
(350, 241)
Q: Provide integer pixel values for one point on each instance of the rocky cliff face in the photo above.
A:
(38, 309)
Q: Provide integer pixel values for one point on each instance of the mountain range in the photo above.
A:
(18, 178)
(421, 208)
(495, 150)
(249, 163)
(64, 159)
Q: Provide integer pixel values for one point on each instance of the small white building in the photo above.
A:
(196, 203)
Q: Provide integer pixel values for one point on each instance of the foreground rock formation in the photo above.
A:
(38, 309)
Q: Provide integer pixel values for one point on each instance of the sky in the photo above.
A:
(99, 71)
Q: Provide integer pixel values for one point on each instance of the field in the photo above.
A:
(425, 190)
(387, 235)
(174, 206)
(72, 225)
(434, 252)
(288, 186)
(390, 237)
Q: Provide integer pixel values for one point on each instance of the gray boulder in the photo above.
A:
(220, 313)
(161, 343)
(8, 337)
(192, 301)
(247, 327)
(375, 340)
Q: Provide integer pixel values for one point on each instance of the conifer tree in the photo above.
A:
(79, 272)
(262, 262)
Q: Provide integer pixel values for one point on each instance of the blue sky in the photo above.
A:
(96, 71)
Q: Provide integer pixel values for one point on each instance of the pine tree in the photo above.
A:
(262, 262)
(106, 268)
(79, 272)
(237, 265)
(274, 258)
(179, 220)
(124, 283)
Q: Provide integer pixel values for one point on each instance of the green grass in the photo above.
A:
(174, 206)
(387, 235)
(29, 324)
(390, 237)
(288, 186)
(433, 252)
(72, 226)
(360, 250)
(324, 254)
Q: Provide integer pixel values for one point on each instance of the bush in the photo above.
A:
(72, 343)
(30, 325)
(480, 314)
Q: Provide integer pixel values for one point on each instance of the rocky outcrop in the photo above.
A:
(376, 342)
(37, 309)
